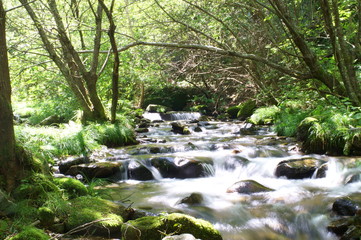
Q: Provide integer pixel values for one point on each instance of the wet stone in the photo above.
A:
(345, 207)
(96, 170)
(138, 171)
(192, 199)
(248, 187)
(66, 164)
(299, 168)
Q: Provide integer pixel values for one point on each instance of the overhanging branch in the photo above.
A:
(290, 72)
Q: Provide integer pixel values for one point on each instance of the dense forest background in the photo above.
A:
(95, 65)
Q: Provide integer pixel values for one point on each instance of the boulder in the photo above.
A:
(65, 165)
(246, 109)
(96, 170)
(248, 187)
(106, 217)
(300, 168)
(138, 171)
(165, 166)
(181, 168)
(178, 127)
(190, 168)
(152, 228)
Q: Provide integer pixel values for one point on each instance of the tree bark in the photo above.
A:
(116, 63)
(10, 167)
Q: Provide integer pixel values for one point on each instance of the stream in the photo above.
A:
(296, 209)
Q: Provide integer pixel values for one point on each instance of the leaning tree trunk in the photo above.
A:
(10, 167)
(81, 81)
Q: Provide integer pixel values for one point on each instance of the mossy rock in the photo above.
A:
(46, 216)
(154, 228)
(246, 109)
(233, 111)
(106, 216)
(73, 187)
(31, 233)
(37, 186)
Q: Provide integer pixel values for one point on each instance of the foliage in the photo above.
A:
(73, 138)
(264, 115)
(111, 135)
(289, 117)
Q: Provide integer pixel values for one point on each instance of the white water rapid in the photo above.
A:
(296, 209)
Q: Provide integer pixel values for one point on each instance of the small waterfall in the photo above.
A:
(172, 116)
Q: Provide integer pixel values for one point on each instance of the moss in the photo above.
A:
(46, 216)
(73, 187)
(154, 228)
(31, 233)
(233, 111)
(106, 215)
(36, 187)
(3, 229)
(246, 109)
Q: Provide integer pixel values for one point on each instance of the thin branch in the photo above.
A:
(216, 50)
(20, 6)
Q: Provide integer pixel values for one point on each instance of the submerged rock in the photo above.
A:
(152, 228)
(248, 187)
(345, 207)
(192, 199)
(300, 168)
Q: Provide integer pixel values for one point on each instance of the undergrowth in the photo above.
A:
(72, 139)
(322, 128)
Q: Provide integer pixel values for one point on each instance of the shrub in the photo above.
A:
(264, 115)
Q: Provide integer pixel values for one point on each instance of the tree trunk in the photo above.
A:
(115, 74)
(10, 167)
(81, 81)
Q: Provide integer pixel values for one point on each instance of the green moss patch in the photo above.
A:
(103, 217)
(73, 187)
(154, 228)
(31, 233)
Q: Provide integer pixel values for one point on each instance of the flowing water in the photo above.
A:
(296, 209)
